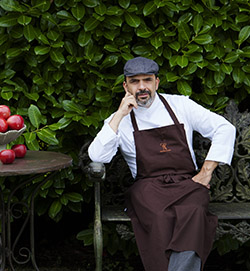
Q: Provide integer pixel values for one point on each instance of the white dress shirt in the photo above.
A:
(193, 116)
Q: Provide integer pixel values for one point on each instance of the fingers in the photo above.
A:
(127, 103)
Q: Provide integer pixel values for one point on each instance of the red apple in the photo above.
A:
(3, 125)
(4, 111)
(7, 156)
(15, 122)
(20, 150)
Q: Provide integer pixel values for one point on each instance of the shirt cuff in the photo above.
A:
(221, 154)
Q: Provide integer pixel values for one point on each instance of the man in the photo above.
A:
(168, 203)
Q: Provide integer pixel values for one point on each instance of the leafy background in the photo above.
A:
(61, 69)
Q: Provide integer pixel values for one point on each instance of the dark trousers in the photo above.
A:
(184, 261)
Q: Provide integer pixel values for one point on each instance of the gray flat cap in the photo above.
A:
(140, 65)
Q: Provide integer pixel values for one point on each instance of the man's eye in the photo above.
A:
(134, 81)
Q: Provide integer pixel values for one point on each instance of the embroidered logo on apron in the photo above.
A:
(164, 147)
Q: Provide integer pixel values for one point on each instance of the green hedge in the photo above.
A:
(61, 65)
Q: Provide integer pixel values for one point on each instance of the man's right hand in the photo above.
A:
(126, 105)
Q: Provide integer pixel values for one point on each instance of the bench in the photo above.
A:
(229, 193)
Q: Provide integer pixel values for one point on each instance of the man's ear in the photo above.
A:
(157, 81)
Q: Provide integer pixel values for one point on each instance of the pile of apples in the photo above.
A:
(11, 122)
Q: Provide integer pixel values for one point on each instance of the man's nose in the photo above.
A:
(142, 85)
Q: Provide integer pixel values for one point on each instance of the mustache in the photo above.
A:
(143, 91)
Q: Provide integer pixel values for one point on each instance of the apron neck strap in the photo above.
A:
(132, 115)
(170, 111)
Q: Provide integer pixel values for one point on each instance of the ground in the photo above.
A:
(57, 249)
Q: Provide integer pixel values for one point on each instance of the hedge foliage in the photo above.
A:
(61, 64)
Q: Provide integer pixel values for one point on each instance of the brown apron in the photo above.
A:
(168, 210)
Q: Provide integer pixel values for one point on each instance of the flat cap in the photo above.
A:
(140, 65)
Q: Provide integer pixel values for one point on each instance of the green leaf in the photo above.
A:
(124, 3)
(7, 73)
(13, 52)
(55, 208)
(58, 75)
(29, 137)
(63, 14)
(41, 50)
(203, 39)
(103, 96)
(109, 61)
(48, 17)
(70, 106)
(83, 38)
(111, 48)
(192, 67)
(101, 9)
(74, 197)
(29, 33)
(219, 77)
(24, 20)
(247, 80)
(226, 68)
(149, 8)
(182, 61)
(231, 57)
(42, 5)
(32, 96)
(114, 10)
(197, 23)
(244, 34)
(8, 20)
(11, 5)
(57, 56)
(49, 90)
(184, 88)
(37, 79)
(238, 75)
(208, 99)
(78, 11)
(86, 236)
(7, 95)
(171, 77)
(132, 20)
(144, 31)
(240, 18)
(43, 39)
(48, 136)
(175, 45)
(33, 145)
(156, 41)
(91, 3)
(53, 35)
(35, 116)
(115, 20)
(184, 31)
(91, 24)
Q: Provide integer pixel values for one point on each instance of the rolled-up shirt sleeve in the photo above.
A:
(104, 146)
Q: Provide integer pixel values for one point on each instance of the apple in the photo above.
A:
(15, 122)
(4, 112)
(7, 156)
(20, 150)
(3, 125)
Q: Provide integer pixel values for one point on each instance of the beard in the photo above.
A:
(144, 102)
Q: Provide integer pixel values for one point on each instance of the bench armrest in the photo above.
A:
(96, 171)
